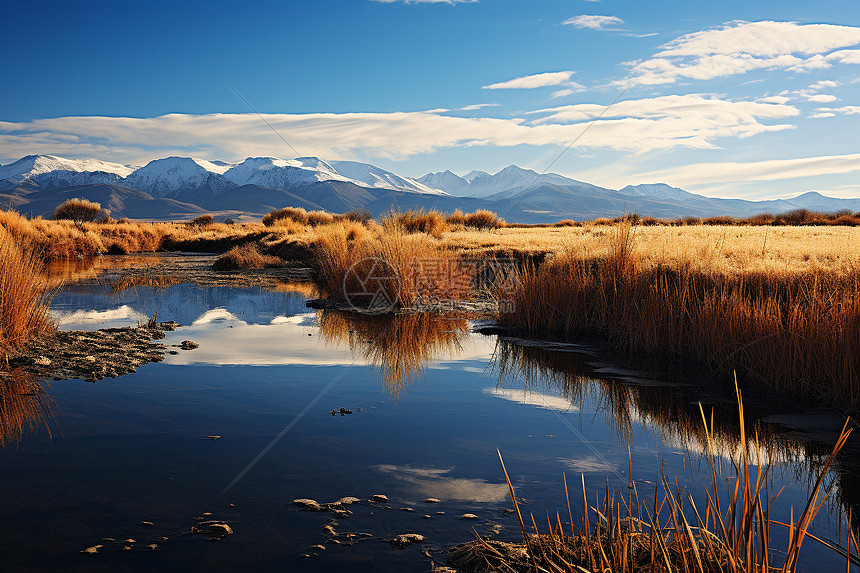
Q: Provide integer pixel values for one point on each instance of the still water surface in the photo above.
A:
(432, 401)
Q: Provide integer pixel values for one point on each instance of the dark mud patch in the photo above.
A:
(93, 356)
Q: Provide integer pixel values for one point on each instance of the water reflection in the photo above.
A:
(674, 414)
(438, 483)
(400, 346)
(24, 406)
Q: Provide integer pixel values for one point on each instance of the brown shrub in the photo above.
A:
(203, 220)
(79, 210)
(295, 213)
(247, 256)
(429, 222)
(483, 219)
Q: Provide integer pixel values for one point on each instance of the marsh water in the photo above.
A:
(243, 425)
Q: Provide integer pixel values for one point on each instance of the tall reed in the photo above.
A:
(23, 289)
(788, 333)
(730, 532)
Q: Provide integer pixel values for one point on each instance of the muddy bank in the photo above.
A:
(95, 355)
(174, 268)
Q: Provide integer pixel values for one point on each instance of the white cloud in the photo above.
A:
(543, 80)
(738, 47)
(775, 99)
(593, 22)
(831, 111)
(821, 84)
(771, 170)
(693, 121)
(822, 98)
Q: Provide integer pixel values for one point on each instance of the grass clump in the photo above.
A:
(78, 210)
(23, 294)
(431, 222)
(247, 256)
(483, 219)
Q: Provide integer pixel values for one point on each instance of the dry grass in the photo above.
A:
(23, 292)
(79, 210)
(247, 256)
(731, 533)
(787, 331)
(65, 239)
(405, 267)
(431, 222)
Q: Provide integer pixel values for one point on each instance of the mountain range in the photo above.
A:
(182, 187)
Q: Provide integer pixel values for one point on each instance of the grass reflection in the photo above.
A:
(400, 346)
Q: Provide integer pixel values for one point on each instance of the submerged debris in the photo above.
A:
(405, 539)
(188, 345)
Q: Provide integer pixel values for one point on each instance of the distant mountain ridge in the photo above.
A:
(181, 187)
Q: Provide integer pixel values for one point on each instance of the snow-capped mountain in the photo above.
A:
(53, 171)
(183, 187)
(185, 178)
(450, 182)
(366, 174)
(511, 179)
(278, 173)
(658, 191)
(172, 176)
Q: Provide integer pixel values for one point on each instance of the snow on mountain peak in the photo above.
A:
(34, 165)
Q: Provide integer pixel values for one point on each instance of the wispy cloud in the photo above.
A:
(593, 22)
(771, 170)
(738, 47)
(542, 80)
(832, 111)
(693, 121)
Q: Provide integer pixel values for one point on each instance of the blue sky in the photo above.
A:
(733, 99)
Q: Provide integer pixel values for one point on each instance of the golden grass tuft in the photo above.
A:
(247, 256)
(483, 219)
(23, 293)
(431, 222)
(79, 210)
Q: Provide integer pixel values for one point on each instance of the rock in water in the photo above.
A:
(379, 498)
(468, 516)
(309, 504)
(405, 539)
(92, 550)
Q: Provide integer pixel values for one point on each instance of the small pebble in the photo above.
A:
(152, 546)
(431, 500)
(129, 541)
(468, 516)
(126, 548)
(426, 517)
(318, 547)
(440, 513)
(406, 509)
(147, 523)
(379, 498)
